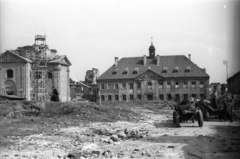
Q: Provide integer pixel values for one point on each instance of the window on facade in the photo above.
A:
(160, 85)
(138, 85)
(124, 97)
(116, 97)
(194, 95)
(188, 69)
(115, 71)
(102, 86)
(149, 85)
(131, 85)
(135, 71)
(176, 85)
(131, 96)
(193, 85)
(116, 85)
(177, 97)
(185, 96)
(168, 84)
(185, 85)
(139, 96)
(38, 75)
(161, 96)
(202, 96)
(169, 97)
(125, 71)
(50, 75)
(9, 73)
(110, 97)
(109, 85)
(10, 92)
(201, 84)
(124, 85)
(102, 97)
(164, 70)
(175, 70)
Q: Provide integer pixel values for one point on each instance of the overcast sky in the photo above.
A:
(91, 33)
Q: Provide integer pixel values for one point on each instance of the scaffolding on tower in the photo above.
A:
(39, 70)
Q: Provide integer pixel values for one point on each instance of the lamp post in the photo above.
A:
(226, 63)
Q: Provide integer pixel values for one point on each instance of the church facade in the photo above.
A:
(16, 69)
(153, 77)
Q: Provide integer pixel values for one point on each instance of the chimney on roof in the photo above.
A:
(189, 57)
(116, 61)
(144, 60)
(204, 69)
(158, 60)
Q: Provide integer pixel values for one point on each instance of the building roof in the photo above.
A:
(170, 63)
(14, 55)
(51, 58)
(234, 76)
(61, 59)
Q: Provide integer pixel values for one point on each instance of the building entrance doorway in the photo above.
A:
(149, 97)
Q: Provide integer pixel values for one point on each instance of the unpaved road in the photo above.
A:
(154, 136)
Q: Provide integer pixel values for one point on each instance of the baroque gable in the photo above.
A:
(11, 57)
(149, 75)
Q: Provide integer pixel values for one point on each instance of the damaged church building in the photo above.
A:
(153, 77)
(17, 66)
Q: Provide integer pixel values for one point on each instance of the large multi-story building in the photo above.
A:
(153, 78)
(16, 72)
(234, 83)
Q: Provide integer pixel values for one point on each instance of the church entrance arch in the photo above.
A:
(10, 87)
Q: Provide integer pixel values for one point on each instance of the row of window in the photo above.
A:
(9, 74)
(169, 85)
(161, 97)
(135, 71)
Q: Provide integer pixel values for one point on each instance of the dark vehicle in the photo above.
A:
(186, 111)
(222, 111)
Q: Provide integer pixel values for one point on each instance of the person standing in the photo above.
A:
(213, 99)
(55, 95)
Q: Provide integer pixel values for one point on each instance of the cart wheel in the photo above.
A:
(200, 118)
(176, 118)
(207, 115)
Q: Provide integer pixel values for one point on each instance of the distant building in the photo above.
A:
(153, 78)
(91, 76)
(16, 72)
(78, 88)
(234, 83)
(215, 87)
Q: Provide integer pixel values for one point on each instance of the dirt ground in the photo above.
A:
(124, 130)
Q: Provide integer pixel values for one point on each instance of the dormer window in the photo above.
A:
(135, 71)
(175, 69)
(125, 71)
(115, 71)
(188, 69)
(164, 69)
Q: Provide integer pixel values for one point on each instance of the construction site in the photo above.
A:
(31, 72)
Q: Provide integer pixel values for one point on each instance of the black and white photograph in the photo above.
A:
(119, 79)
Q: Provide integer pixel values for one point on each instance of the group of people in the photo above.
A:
(222, 100)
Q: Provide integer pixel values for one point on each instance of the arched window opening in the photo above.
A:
(9, 73)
